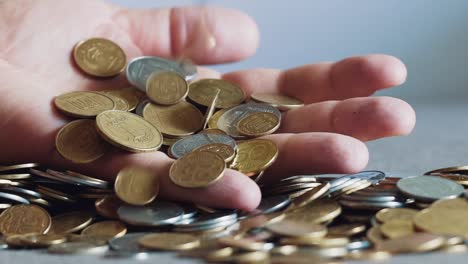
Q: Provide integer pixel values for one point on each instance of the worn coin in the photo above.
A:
(258, 124)
(83, 104)
(429, 188)
(197, 169)
(255, 155)
(24, 219)
(166, 88)
(128, 131)
(99, 57)
(79, 142)
(280, 101)
(203, 90)
(177, 120)
(136, 185)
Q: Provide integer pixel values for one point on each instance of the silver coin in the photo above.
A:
(15, 176)
(371, 205)
(229, 120)
(127, 243)
(141, 106)
(212, 218)
(139, 69)
(268, 205)
(3, 244)
(156, 214)
(326, 252)
(5, 205)
(13, 198)
(354, 197)
(87, 248)
(373, 176)
(195, 228)
(190, 211)
(139, 256)
(429, 188)
(299, 179)
(18, 167)
(346, 182)
(20, 191)
(188, 144)
(359, 244)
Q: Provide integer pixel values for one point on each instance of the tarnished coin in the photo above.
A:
(169, 241)
(157, 214)
(108, 206)
(99, 57)
(105, 230)
(70, 222)
(79, 142)
(197, 169)
(417, 242)
(429, 188)
(24, 219)
(391, 214)
(140, 69)
(128, 131)
(443, 221)
(190, 143)
(225, 151)
(42, 240)
(178, 120)
(297, 229)
(130, 95)
(83, 104)
(166, 88)
(229, 120)
(137, 185)
(282, 102)
(258, 124)
(202, 91)
(397, 228)
(255, 155)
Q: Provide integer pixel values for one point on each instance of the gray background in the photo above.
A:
(431, 37)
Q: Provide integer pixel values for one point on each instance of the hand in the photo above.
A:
(324, 136)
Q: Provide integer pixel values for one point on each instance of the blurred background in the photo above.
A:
(431, 37)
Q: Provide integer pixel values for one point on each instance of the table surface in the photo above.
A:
(439, 140)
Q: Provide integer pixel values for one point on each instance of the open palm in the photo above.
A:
(36, 39)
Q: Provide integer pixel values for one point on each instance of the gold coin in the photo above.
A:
(197, 169)
(457, 203)
(24, 219)
(212, 131)
(310, 195)
(105, 230)
(297, 229)
(83, 104)
(202, 92)
(169, 241)
(255, 155)
(213, 121)
(346, 229)
(448, 170)
(322, 242)
(258, 124)
(99, 57)
(369, 255)
(374, 235)
(417, 242)
(79, 142)
(282, 102)
(317, 212)
(130, 95)
(181, 119)
(211, 109)
(108, 206)
(137, 185)
(225, 151)
(120, 103)
(42, 240)
(390, 214)
(70, 222)
(166, 88)
(128, 131)
(251, 257)
(241, 243)
(397, 228)
(14, 241)
(443, 221)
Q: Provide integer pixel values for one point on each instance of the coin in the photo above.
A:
(120, 103)
(346, 229)
(83, 104)
(157, 214)
(108, 206)
(178, 120)
(166, 88)
(130, 95)
(136, 185)
(127, 243)
(17, 176)
(13, 198)
(397, 228)
(241, 243)
(297, 229)
(128, 131)
(88, 180)
(444, 221)
(429, 188)
(280, 101)
(316, 212)
(311, 195)
(209, 112)
(70, 222)
(197, 169)
(188, 144)
(18, 167)
(255, 155)
(139, 69)
(105, 230)
(169, 241)
(42, 240)
(258, 124)
(24, 219)
(203, 90)
(86, 248)
(99, 57)
(457, 203)
(417, 242)
(213, 121)
(390, 214)
(225, 151)
(79, 142)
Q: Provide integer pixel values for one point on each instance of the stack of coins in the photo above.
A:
(207, 126)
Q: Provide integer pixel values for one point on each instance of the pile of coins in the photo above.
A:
(207, 126)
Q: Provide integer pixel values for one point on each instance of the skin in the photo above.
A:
(325, 136)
